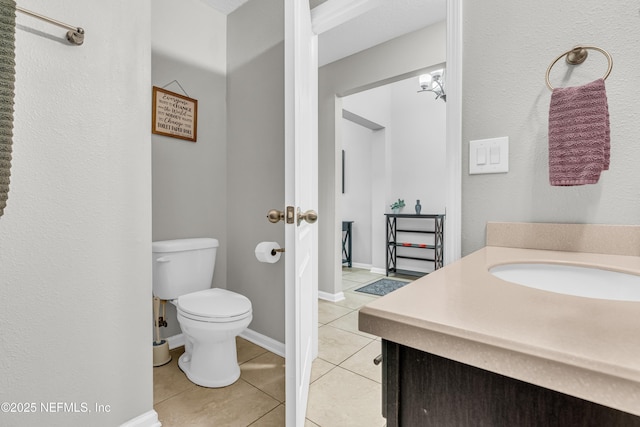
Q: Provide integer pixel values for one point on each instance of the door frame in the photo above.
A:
(453, 171)
(453, 183)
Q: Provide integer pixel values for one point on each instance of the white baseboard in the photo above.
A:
(370, 267)
(331, 297)
(264, 341)
(360, 265)
(175, 341)
(148, 419)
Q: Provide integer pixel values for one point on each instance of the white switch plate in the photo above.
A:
(489, 155)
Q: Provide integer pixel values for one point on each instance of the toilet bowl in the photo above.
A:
(210, 318)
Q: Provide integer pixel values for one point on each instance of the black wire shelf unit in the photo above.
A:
(415, 251)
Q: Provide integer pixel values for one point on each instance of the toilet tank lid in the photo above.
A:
(178, 245)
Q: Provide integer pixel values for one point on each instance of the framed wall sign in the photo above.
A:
(174, 115)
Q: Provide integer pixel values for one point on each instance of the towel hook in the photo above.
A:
(576, 56)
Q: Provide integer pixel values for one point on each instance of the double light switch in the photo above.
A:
(489, 155)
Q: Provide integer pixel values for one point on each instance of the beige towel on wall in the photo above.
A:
(7, 79)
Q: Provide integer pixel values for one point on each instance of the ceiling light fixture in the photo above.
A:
(434, 82)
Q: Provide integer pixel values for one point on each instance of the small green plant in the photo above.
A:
(397, 205)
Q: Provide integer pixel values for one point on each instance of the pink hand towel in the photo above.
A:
(579, 142)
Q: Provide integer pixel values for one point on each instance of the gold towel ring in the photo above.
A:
(576, 56)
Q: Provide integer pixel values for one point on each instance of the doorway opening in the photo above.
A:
(394, 148)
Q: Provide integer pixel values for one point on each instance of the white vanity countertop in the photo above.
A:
(589, 348)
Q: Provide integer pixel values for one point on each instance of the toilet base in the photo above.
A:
(210, 358)
(230, 377)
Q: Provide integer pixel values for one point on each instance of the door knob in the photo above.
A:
(275, 216)
(310, 216)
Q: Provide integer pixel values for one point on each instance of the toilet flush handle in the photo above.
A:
(163, 259)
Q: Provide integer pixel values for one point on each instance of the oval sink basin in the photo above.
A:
(572, 280)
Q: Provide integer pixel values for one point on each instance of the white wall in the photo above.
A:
(366, 171)
(75, 238)
(410, 164)
(504, 95)
(358, 195)
(190, 179)
(418, 143)
(373, 104)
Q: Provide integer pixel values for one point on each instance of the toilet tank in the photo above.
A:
(182, 266)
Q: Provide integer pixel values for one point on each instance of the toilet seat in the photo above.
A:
(214, 305)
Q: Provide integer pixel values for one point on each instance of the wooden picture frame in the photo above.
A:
(174, 115)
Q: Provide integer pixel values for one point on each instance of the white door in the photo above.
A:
(301, 195)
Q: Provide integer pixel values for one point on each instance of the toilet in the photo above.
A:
(210, 318)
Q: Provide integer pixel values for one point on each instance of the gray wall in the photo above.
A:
(190, 179)
(507, 49)
(403, 56)
(75, 238)
(255, 157)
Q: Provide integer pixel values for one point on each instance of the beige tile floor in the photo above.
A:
(345, 384)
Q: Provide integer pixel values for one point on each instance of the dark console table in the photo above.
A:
(347, 227)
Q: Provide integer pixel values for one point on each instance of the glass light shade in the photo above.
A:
(437, 75)
(425, 80)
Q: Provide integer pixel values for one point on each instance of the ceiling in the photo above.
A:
(393, 18)
(225, 6)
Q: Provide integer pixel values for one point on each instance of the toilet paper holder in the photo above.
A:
(269, 252)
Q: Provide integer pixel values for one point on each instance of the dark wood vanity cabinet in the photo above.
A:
(422, 389)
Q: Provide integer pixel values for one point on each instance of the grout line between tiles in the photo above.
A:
(253, 358)
(360, 375)
(333, 366)
(264, 415)
(263, 392)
